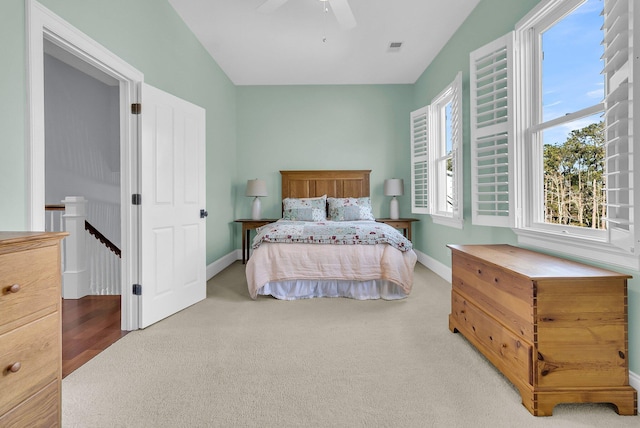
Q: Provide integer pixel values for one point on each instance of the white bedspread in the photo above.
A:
(273, 262)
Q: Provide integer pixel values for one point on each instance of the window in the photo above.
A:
(550, 130)
(566, 178)
(436, 160)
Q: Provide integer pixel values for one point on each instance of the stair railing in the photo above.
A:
(90, 261)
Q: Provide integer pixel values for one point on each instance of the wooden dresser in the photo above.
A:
(556, 329)
(30, 329)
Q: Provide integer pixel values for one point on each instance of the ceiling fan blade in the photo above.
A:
(343, 13)
(271, 5)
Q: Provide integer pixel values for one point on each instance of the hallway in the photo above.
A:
(89, 325)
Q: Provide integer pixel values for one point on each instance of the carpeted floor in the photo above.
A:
(230, 361)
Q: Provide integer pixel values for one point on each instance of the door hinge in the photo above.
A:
(136, 108)
(137, 289)
(136, 199)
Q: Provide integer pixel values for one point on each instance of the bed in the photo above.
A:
(340, 252)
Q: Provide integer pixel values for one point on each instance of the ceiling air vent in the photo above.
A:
(395, 46)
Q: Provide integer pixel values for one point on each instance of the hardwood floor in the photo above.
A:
(89, 326)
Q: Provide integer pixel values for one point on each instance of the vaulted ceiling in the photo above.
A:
(298, 43)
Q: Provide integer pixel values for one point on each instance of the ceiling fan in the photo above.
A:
(341, 10)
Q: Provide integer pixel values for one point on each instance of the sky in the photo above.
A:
(572, 66)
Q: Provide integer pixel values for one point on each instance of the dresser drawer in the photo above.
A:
(36, 273)
(36, 346)
(509, 353)
(497, 291)
(41, 410)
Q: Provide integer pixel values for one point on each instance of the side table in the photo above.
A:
(401, 223)
(247, 226)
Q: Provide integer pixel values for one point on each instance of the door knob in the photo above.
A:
(203, 213)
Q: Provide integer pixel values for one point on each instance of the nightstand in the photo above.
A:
(247, 226)
(402, 223)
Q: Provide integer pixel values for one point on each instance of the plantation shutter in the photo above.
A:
(492, 152)
(420, 161)
(456, 139)
(618, 72)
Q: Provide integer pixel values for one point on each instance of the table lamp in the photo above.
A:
(394, 187)
(256, 188)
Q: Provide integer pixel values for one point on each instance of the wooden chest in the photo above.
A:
(30, 329)
(556, 329)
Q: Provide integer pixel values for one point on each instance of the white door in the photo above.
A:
(172, 188)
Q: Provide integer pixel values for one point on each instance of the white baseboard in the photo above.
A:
(222, 263)
(444, 272)
(634, 380)
(440, 269)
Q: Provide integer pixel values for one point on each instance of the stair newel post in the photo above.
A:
(75, 279)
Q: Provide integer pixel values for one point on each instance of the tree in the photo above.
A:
(574, 183)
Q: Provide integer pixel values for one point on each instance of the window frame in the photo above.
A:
(434, 136)
(528, 39)
(439, 150)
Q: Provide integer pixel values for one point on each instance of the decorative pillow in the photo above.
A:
(305, 209)
(350, 209)
(350, 213)
(298, 214)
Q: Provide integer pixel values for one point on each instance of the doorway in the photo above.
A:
(82, 159)
(48, 30)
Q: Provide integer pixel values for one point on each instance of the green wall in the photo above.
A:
(151, 37)
(12, 115)
(322, 127)
(490, 20)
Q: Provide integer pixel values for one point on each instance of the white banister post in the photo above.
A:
(75, 279)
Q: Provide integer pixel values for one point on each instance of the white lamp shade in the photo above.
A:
(394, 187)
(256, 188)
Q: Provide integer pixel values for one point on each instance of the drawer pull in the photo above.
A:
(14, 288)
(15, 367)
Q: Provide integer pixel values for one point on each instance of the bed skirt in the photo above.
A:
(359, 290)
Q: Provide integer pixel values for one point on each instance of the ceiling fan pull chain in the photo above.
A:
(325, 9)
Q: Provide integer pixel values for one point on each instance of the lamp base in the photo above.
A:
(255, 209)
(394, 211)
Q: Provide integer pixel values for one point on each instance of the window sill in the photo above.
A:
(447, 221)
(577, 246)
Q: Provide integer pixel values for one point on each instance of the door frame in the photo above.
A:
(44, 24)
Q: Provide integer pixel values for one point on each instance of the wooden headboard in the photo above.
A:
(333, 183)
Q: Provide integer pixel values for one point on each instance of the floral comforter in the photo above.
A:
(331, 232)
